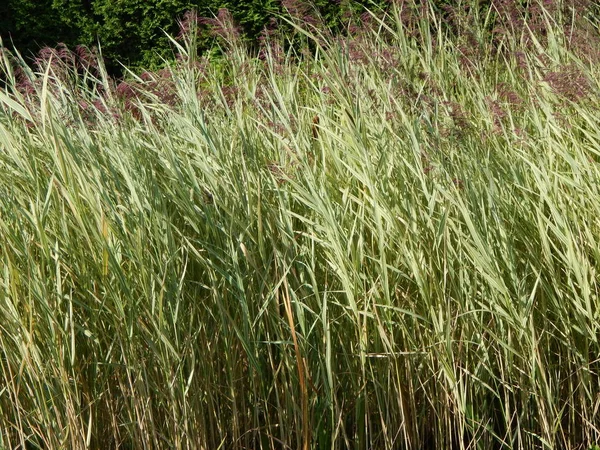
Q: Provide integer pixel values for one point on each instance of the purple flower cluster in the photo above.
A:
(569, 82)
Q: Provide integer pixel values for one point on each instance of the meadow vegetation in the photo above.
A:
(387, 238)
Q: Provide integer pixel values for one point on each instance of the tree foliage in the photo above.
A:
(132, 32)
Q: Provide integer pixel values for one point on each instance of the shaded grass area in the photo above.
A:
(389, 241)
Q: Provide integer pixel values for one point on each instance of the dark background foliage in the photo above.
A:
(131, 31)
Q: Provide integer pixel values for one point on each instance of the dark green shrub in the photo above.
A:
(132, 32)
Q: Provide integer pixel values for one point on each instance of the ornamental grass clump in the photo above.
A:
(384, 241)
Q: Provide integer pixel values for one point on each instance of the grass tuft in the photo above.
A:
(384, 240)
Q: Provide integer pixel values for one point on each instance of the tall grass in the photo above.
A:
(386, 240)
